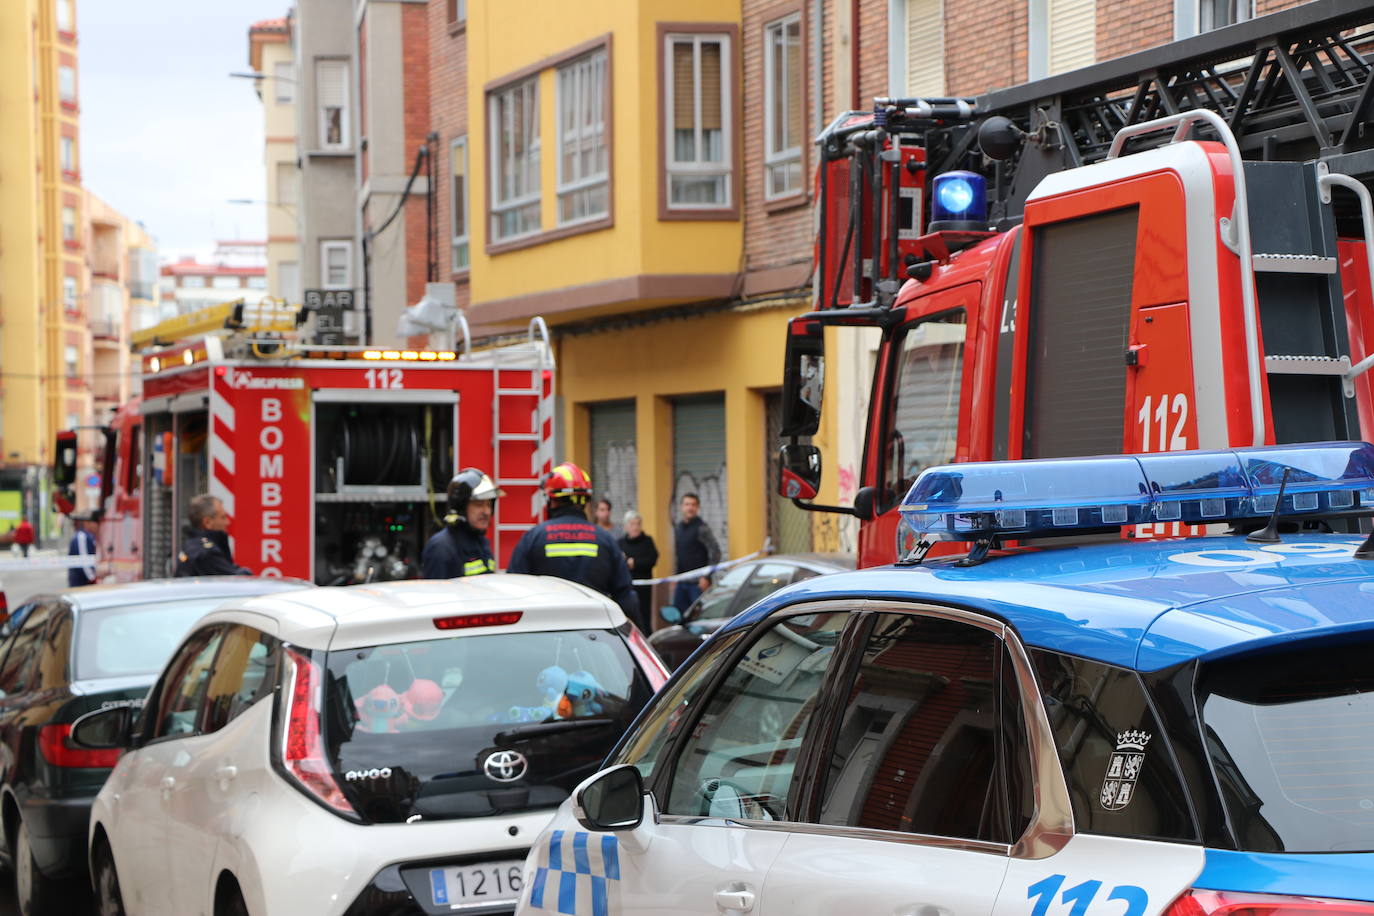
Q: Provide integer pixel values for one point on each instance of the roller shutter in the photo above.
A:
(925, 48)
(699, 460)
(1072, 34)
(615, 459)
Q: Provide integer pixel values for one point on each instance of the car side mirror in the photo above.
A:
(670, 614)
(105, 729)
(611, 800)
(864, 503)
(803, 378)
(799, 469)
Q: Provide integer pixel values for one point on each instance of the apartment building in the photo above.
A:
(270, 55)
(121, 276)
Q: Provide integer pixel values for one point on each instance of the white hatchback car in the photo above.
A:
(381, 749)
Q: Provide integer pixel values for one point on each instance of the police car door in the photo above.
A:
(1133, 847)
(909, 799)
(719, 752)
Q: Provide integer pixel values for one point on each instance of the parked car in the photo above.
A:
(738, 588)
(62, 656)
(377, 749)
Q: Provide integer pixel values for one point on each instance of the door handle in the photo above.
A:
(227, 773)
(735, 898)
(167, 785)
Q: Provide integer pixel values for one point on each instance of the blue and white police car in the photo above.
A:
(1112, 728)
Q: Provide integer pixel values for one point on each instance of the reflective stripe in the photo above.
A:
(477, 567)
(571, 550)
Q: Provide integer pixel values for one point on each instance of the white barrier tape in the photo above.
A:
(21, 564)
(699, 572)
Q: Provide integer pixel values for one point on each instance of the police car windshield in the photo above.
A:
(1291, 736)
(132, 639)
(422, 728)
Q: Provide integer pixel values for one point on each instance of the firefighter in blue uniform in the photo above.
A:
(570, 547)
(461, 548)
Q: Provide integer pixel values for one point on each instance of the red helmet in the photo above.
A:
(568, 481)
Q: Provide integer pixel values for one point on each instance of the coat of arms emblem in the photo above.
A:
(1118, 786)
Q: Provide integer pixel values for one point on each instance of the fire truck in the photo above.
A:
(332, 461)
(1164, 252)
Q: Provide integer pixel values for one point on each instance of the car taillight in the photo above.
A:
(1233, 903)
(302, 751)
(54, 743)
(498, 619)
(648, 659)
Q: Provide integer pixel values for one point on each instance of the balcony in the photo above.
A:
(104, 329)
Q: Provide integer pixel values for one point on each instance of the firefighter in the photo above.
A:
(462, 548)
(570, 547)
(206, 552)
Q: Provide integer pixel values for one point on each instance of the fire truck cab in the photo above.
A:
(332, 461)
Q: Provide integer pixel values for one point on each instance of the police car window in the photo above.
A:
(241, 676)
(923, 414)
(1120, 774)
(917, 748)
(738, 762)
(1289, 736)
(179, 702)
(20, 663)
(644, 745)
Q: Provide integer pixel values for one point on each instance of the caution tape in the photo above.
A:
(23, 564)
(703, 571)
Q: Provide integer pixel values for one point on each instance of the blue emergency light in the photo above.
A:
(1004, 500)
(958, 200)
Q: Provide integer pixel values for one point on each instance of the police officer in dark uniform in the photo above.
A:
(206, 552)
(462, 548)
(570, 547)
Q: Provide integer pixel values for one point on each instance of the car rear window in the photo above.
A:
(1291, 737)
(410, 727)
(133, 639)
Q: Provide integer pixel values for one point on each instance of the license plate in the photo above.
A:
(479, 883)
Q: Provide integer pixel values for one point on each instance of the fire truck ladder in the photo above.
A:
(522, 385)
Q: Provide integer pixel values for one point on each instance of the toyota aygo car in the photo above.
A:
(386, 749)
(1118, 728)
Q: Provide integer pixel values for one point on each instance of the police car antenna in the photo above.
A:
(1269, 534)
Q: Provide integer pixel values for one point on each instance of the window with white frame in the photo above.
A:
(286, 183)
(68, 152)
(66, 20)
(1216, 14)
(72, 358)
(69, 293)
(331, 93)
(336, 265)
(226, 283)
(583, 152)
(66, 83)
(69, 224)
(284, 82)
(193, 282)
(514, 128)
(457, 11)
(458, 167)
(782, 107)
(697, 81)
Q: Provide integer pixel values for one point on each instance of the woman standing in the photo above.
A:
(641, 554)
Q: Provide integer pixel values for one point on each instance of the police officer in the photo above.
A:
(462, 548)
(206, 552)
(569, 546)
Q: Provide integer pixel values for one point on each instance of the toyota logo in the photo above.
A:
(505, 766)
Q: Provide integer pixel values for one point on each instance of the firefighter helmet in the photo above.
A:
(469, 484)
(568, 481)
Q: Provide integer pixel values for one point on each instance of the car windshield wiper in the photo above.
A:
(557, 726)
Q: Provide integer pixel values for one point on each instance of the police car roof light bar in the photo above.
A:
(998, 500)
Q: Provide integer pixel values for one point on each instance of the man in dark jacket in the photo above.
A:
(570, 547)
(462, 548)
(206, 551)
(695, 547)
(82, 545)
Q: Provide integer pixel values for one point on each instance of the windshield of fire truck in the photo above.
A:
(922, 423)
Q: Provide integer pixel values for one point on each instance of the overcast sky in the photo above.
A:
(167, 137)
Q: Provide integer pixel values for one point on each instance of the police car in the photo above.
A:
(1114, 728)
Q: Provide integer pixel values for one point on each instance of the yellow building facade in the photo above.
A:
(44, 336)
(269, 53)
(609, 195)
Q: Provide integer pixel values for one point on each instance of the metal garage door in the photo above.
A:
(699, 459)
(615, 460)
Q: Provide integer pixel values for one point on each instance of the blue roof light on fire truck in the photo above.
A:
(959, 195)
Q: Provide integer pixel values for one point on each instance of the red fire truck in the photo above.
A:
(1162, 252)
(333, 461)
